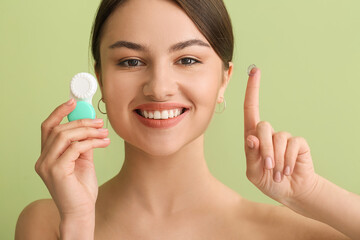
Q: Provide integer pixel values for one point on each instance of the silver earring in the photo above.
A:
(101, 99)
(223, 108)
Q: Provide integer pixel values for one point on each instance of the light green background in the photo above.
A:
(308, 52)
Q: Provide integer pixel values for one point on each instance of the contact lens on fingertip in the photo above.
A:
(82, 88)
(250, 68)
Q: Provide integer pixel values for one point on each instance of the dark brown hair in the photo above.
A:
(210, 16)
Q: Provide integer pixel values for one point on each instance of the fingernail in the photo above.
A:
(277, 177)
(250, 144)
(251, 70)
(70, 102)
(287, 171)
(268, 163)
(106, 139)
(102, 130)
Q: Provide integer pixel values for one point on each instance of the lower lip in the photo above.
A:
(161, 123)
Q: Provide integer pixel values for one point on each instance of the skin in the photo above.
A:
(165, 190)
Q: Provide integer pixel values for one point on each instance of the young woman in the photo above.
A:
(162, 67)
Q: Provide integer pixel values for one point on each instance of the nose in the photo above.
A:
(161, 84)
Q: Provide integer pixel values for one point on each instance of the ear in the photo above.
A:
(225, 82)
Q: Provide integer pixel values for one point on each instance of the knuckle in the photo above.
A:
(94, 142)
(280, 138)
(248, 106)
(75, 146)
(283, 133)
(296, 140)
(300, 139)
(263, 124)
(62, 136)
(82, 122)
(37, 167)
(56, 130)
(44, 125)
(42, 169)
(89, 129)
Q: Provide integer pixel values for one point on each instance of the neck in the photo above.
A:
(167, 184)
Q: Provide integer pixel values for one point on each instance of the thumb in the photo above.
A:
(254, 166)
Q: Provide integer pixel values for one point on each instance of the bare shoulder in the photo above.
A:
(281, 222)
(38, 220)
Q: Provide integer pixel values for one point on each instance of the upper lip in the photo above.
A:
(160, 106)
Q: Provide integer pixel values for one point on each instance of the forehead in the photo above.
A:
(157, 23)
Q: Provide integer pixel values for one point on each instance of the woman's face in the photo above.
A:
(147, 74)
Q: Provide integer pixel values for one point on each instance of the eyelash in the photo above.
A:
(122, 64)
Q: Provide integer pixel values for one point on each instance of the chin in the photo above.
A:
(160, 150)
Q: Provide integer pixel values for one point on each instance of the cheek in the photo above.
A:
(202, 90)
(120, 89)
(119, 92)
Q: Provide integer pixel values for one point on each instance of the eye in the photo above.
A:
(130, 63)
(188, 61)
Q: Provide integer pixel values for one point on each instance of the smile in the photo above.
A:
(161, 115)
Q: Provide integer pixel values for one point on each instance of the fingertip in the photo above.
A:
(251, 70)
(70, 102)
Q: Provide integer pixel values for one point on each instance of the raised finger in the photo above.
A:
(264, 132)
(251, 102)
(55, 119)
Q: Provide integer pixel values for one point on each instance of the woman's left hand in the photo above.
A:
(289, 174)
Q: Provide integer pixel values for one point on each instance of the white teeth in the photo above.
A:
(163, 114)
(151, 115)
(157, 115)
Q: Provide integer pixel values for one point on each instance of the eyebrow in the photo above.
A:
(173, 48)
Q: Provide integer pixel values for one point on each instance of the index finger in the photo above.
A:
(251, 102)
(55, 119)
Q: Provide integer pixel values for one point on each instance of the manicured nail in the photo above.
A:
(251, 70)
(106, 139)
(268, 163)
(102, 129)
(250, 144)
(70, 102)
(287, 171)
(277, 177)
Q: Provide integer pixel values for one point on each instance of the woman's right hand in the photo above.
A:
(66, 162)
